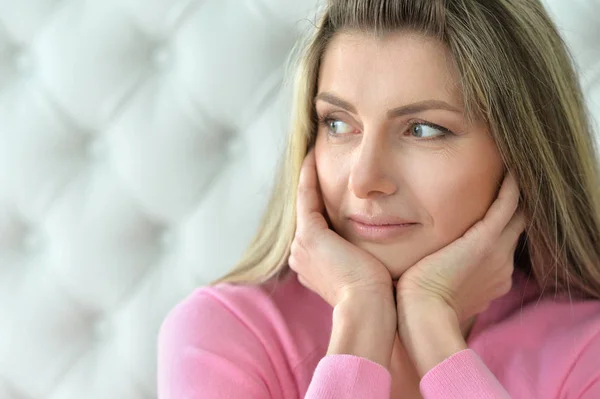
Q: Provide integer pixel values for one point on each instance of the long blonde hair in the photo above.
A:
(517, 75)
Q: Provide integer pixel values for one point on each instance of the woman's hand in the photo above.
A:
(325, 262)
(475, 269)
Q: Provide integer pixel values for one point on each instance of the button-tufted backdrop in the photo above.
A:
(138, 141)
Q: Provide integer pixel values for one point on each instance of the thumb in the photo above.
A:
(309, 204)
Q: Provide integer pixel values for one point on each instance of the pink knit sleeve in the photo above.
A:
(462, 376)
(349, 377)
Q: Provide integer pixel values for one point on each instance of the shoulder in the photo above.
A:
(279, 319)
(203, 322)
(540, 344)
(571, 348)
(221, 334)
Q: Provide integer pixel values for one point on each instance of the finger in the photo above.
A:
(292, 263)
(503, 208)
(309, 194)
(516, 226)
(304, 282)
(513, 230)
(482, 236)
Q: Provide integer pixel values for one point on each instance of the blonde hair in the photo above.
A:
(516, 75)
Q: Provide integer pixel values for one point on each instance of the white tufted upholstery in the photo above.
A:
(138, 141)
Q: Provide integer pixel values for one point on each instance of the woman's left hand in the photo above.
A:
(473, 270)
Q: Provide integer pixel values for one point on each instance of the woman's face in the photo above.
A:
(380, 159)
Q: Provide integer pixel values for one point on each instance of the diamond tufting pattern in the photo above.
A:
(138, 141)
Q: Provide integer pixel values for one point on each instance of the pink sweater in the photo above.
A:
(270, 341)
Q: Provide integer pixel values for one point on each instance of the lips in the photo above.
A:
(369, 220)
(388, 230)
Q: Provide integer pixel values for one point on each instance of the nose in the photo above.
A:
(369, 177)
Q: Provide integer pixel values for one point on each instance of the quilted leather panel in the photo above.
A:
(138, 144)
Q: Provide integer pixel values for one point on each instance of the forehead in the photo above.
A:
(397, 68)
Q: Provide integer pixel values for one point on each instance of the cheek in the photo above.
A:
(459, 195)
(331, 171)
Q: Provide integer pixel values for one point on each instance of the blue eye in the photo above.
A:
(333, 124)
(423, 130)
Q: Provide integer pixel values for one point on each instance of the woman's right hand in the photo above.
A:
(325, 262)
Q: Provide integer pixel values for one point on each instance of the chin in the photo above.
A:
(397, 257)
(396, 260)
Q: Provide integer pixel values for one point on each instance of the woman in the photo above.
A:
(435, 230)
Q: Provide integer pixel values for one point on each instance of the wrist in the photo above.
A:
(431, 333)
(368, 305)
(364, 326)
(376, 292)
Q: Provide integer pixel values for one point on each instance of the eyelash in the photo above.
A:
(326, 120)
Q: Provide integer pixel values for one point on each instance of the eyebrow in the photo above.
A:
(407, 109)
